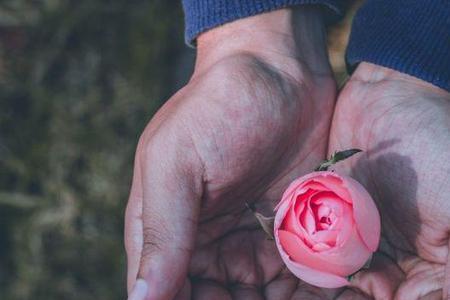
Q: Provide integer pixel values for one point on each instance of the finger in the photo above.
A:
(139, 290)
(351, 294)
(425, 280)
(306, 291)
(207, 290)
(381, 280)
(133, 226)
(281, 287)
(172, 189)
(435, 295)
(246, 292)
(185, 292)
(446, 289)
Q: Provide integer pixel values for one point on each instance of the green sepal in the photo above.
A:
(336, 157)
(265, 222)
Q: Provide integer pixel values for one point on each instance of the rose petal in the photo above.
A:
(307, 220)
(320, 247)
(301, 200)
(353, 254)
(355, 218)
(308, 274)
(302, 184)
(300, 205)
(323, 211)
(307, 227)
(280, 215)
(365, 213)
(291, 222)
(314, 277)
(329, 200)
(314, 185)
(340, 262)
(289, 192)
(325, 236)
(342, 215)
(333, 182)
(344, 225)
(321, 181)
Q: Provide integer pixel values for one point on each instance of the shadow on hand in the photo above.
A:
(392, 181)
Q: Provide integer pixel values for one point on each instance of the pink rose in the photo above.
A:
(326, 228)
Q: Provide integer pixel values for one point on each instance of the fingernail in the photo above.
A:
(139, 291)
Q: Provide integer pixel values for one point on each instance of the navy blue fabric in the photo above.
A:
(201, 15)
(410, 36)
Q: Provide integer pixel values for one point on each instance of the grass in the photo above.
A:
(78, 82)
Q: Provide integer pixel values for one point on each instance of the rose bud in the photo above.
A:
(326, 228)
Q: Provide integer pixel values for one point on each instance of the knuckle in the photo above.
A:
(156, 239)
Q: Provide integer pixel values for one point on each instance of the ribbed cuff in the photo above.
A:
(410, 36)
(202, 15)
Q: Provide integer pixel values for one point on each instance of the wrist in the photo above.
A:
(279, 37)
(370, 73)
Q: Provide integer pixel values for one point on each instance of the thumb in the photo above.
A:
(172, 189)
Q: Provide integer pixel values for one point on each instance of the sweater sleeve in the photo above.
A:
(202, 15)
(410, 36)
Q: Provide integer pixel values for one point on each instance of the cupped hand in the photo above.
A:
(254, 116)
(403, 126)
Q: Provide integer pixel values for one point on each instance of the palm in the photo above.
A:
(244, 264)
(263, 137)
(401, 123)
(260, 129)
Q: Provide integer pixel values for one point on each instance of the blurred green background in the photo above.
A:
(79, 80)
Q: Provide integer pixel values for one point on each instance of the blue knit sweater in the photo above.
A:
(410, 36)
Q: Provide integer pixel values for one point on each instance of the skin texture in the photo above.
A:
(403, 126)
(254, 116)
